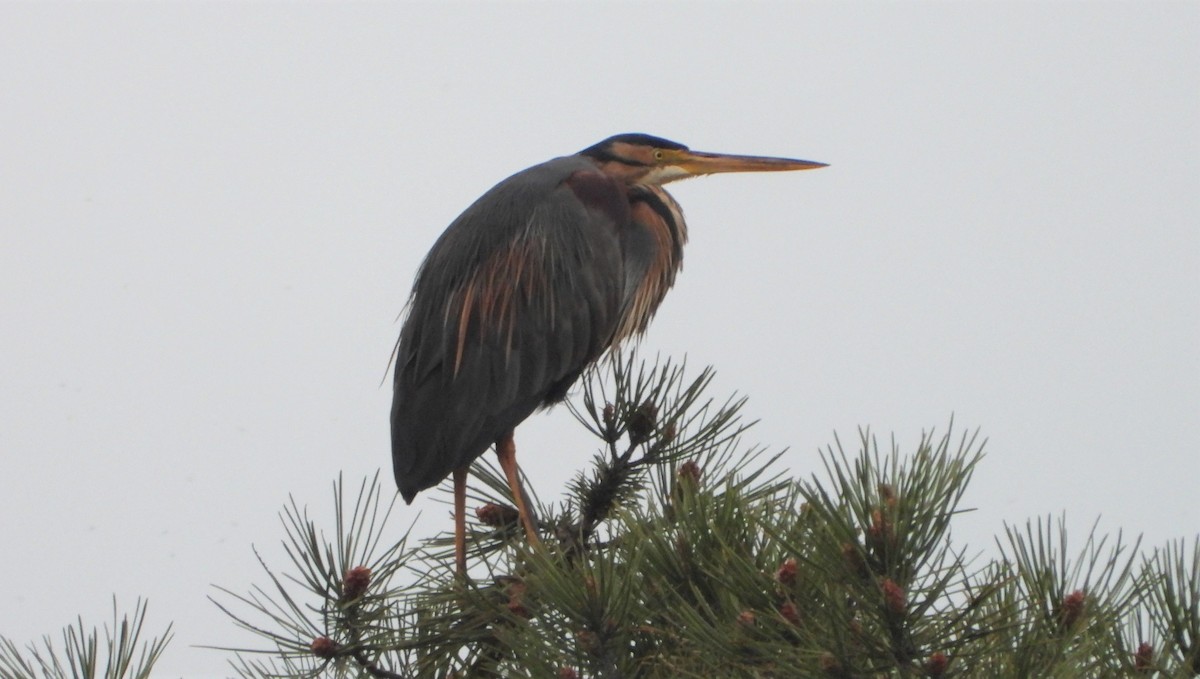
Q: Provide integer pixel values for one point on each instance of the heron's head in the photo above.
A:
(644, 159)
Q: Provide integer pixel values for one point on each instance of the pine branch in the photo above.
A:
(125, 654)
(683, 552)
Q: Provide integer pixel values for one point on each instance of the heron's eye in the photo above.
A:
(658, 154)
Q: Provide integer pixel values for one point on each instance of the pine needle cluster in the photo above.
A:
(124, 654)
(681, 551)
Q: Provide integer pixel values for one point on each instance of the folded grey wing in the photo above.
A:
(519, 295)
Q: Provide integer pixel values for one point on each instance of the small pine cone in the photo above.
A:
(517, 608)
(567, 673)
(790, 613)
(323, 647)
(1072, 608)
(689, 471)
(746, 619)
(880, 534)
(829, 663)
(495, 515)
(854, 560)
(888, 493)
(355, 582)
(641, 423)
(936, 665)
(786, 575)
(609, 415)
(856, 627)
(588, 641)
(1143, 660)
(516, 598)
(893, 597)
(668, 433)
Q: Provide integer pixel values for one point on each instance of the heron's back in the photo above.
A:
(515, 299)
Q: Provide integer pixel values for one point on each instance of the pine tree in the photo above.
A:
(683, 552)
(125, 654)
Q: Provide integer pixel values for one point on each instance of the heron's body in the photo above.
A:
(528, 287)
(475, 363)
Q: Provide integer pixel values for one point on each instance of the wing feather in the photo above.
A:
(515, 299)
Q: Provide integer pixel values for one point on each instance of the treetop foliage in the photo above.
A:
(681, 551)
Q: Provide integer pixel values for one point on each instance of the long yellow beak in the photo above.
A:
(698, 163)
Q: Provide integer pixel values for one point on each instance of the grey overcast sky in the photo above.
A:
(211, 214)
